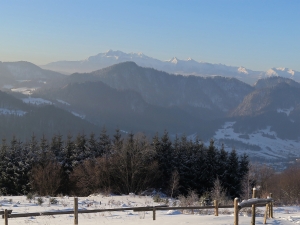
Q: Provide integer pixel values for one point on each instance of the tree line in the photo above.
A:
(284, 185)
(119, 164)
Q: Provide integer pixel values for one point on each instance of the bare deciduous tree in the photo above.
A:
(46, 179)
(219, 193)
(84, 177)
(174, 183)
(133, 166)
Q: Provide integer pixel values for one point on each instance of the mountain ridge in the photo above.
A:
(174, 65)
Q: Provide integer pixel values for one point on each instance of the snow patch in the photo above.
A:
(36, 101)
(78, 115)
(173, 212)
(286, 111)
(24, 90)
(4, 111)
(63, 102)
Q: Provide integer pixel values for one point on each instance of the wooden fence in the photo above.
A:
(6, 214)
(253, 203)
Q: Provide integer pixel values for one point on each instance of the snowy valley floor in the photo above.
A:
(19, 204)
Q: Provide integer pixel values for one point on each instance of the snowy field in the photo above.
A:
(272, 147)
(19, 204)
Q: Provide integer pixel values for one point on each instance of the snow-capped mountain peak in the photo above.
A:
(291, 72)
(271, 72)
(174, 60)
(174, 66)
(283, 72)
(243, 70)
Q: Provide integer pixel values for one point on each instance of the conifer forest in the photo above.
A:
(119, 164)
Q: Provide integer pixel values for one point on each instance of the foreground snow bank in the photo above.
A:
(19, 204)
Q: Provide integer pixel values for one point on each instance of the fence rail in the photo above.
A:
(6, 214)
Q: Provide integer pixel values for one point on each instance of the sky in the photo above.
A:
(256, 34)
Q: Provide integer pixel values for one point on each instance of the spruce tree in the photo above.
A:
(104, 143)
(164, 159)
(232, 183)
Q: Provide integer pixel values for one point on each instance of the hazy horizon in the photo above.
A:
(255, 34)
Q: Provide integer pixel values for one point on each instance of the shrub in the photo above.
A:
(53, 201)
(157, 198)
(40, 200)
(29, 196)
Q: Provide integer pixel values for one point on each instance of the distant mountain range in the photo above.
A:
(262, 120)
(174, 66)
(15, 75)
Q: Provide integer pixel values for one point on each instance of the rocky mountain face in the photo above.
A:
(174, 66)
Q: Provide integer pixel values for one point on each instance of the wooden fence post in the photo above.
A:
(266, 213)
(5, 217)
(253, 207)
(75, 211)
(154, 213)
(236, 211)
(271, 207)
(216, 204)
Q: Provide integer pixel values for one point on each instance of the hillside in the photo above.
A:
(22, 120)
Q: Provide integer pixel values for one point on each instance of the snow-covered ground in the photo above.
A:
(19, 204)
(272, 147)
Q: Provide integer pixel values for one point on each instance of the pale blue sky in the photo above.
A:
(257, 34)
